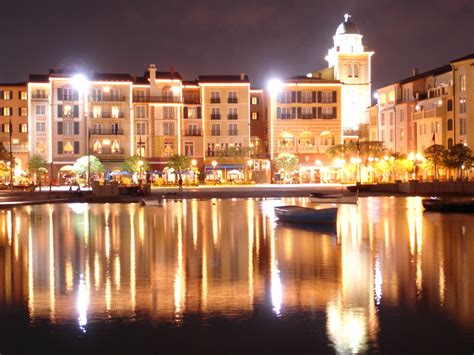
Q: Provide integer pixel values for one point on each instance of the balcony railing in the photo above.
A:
(106, 114)
(17, 148)
(109, 151)
(192, 100)
(193, 132)
(160, 99)
(232, 100)
(107, 132)
(215, 133)
(307, 149)
(215, 100)
(107, 98)
(232, 117)
(233, 133)
(215, 116)
(39, 97)
(284, 149)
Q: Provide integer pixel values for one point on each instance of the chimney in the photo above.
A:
(152, 70)
(242, 76)
(414, 72)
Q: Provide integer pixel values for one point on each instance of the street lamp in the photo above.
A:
(140, 145)
(194, 163)
(140, 164)
(250, 163)
(80, 83)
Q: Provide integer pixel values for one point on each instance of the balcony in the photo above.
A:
(191, 100)
(215, 133)
(215, 100)
(232, 117)
(17, 148)
(287, 149)
(39, 97)
(159, 99)
(427, 113)
(106, 114)
(215, 116)
(232, 100)
(107, 132)
(107, 98)
(193, 133)
(307, 149)
(108, 152)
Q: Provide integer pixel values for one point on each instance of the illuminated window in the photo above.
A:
(462, 105)
(168, 151)
(115, 112)
(254, 116)
(6, 128)
(23, 128)
(391, 96)
(7, 111)
(462, 80)
(115, 148)
(68, 148)
(40, 148)
(254, 100)
(23, 95)
(7, 95)
(23, 111)
(96, 112)
(350, 70)
(67, 111)
(97, 147)
(189, 149)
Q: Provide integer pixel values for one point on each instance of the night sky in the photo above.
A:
(263, 38)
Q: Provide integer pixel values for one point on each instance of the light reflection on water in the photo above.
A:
(79, 263)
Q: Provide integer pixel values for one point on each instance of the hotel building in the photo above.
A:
(14, 123)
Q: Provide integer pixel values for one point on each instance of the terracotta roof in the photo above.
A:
(223, 79)
(312, 80)
(13, 84)
(437, 71)
(141, 80)
(466, 57)
(38, 78)
(111, 77)
(190, 82)
(164, 75)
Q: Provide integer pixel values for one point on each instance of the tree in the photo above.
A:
(37, 166)
(81, 166)
(435, 157)
(457, 157)
(179, 163)
(286, 162)
(132, 165)
(4, 153)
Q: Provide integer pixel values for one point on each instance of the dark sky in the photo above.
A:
(263, 38)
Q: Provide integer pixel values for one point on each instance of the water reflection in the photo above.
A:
(79, 263)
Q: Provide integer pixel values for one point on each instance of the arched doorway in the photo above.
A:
(67, 176)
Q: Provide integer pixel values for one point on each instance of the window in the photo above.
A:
(76, 147)
(97, 147)
(382, 136)
(402, 133)
(67, 94)
(168, 151)
(350, 70)
(41, 110)
(391, 118)
(306, 112)
(450, 124)
(114, 128)
(115, 148)
(189, 149)
(328, 112)
(6, 128)
(306, 97)
(402, 116)
(284, 113)
(232, 113)
(168, 112)
(115, 112)
(462, 82)
(450, 105)
(40, 127)
(23, 111)
(60, 148)
(40, 94)
(23, 95)
(462, 105)
(115, 95)
(168, 128)
(7, 111)
(215, 113)
(232, 97)
(141, 128)
(286, 97)
(233, 129)
(23, 128)
(254, 100)
(356, 70)
(68, 148)
(140, 95)
(424, 128)
(40, 148)
(68, 128)
(327, 97)
(97, 112)
(215, 130)
(6, 95)
(254, 116)
(140, 112)
(67, 111)
(192, 130)
(391, 134)
(96, 94)
(96, 128)
(462, 126)
(215, 97)
(437, 127)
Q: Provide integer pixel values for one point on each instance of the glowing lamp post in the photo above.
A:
(140, 165)
(194, 163)
(250, 163)
(214, 164)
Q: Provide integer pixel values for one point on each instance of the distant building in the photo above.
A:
(14, 111)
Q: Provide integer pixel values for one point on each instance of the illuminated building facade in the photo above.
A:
(14, 110)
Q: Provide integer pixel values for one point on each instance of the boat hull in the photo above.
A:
(448, 206)
(306, 215)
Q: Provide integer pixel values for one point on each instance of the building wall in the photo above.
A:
(39, 109)
(258, 123)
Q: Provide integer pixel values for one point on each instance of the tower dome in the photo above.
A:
(347, 27)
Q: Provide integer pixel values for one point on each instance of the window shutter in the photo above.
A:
(76, 147)
(293, 112)
(60, 111)
(314, 97)
(60, 147)
(76, 111)
(278, 112)
(60, 94)
(1, 111)
(60, 128)
(19, 95)
(334, 112)
(314, 112)
(334, 96)
(199, 112)
(75, 95)
(293, 97)
(320, 96)
(298, 96)
(19, 111)
(19, 127)
(299, 112)
(76, 128)
(320, 112)
(185, 112)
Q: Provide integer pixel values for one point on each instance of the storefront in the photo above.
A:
(225, 172)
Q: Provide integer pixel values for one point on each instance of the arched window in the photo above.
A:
(306, 139)
(350, 70)
(450, 124)
(326, 138)
(356, 70)
(286, 139)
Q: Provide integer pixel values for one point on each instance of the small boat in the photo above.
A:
(318, 197)
(306, 215)
(435, 204)
(157, 202)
